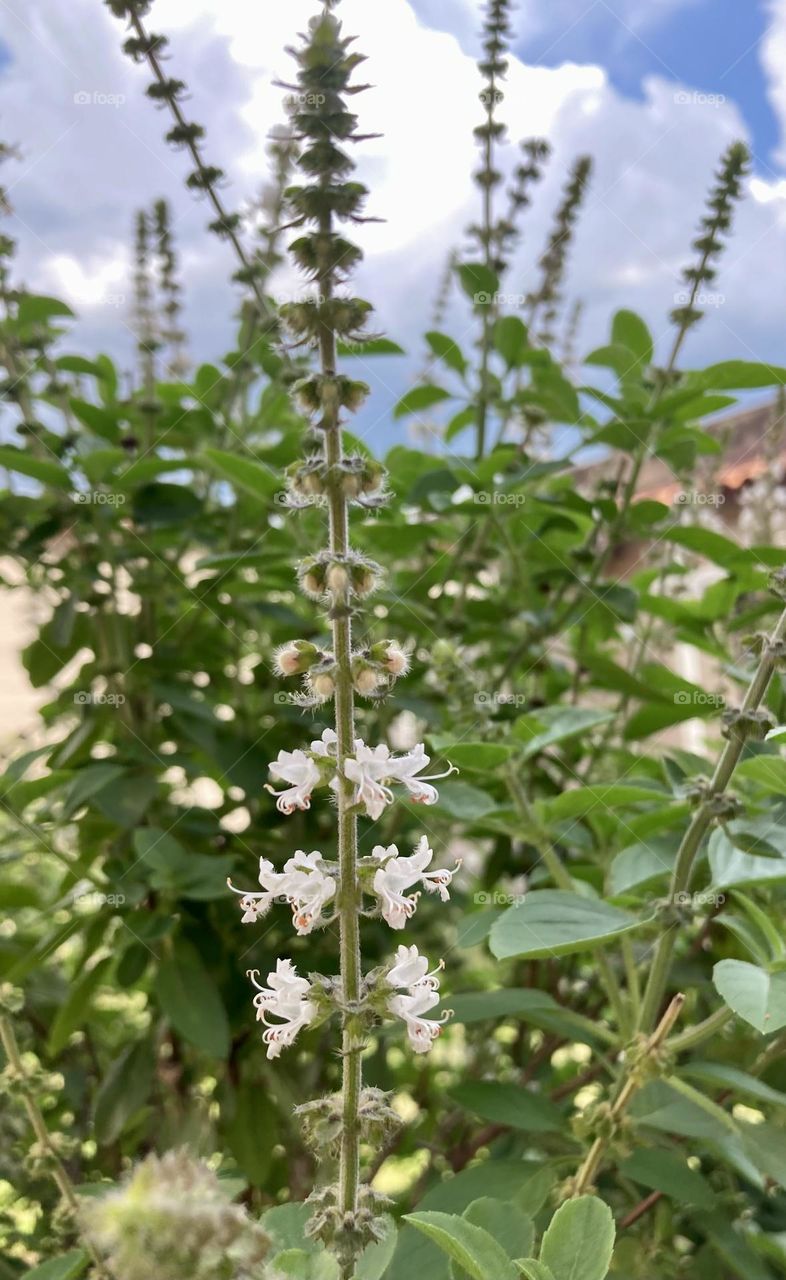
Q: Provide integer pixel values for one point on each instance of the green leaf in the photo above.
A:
(511, 1105)
(38, 308)
(767, 772)
(123, 1091)
(74, 1012)
(87, 783)
(661, 1170)
(605, 799)
(165, 504)
(420, 398)
(286, 1226)
(479, 282)
(482, 756)
(297, 1264)
(190, 1000)
(126, 800)
(470, 1246)
(534, 1270)
(461, 800)
(719, 1075)
(505, 1222)
(371, 347)
(69, 1267)
(629, 330)
(641, 864)
(102, 422)
(511, 339)
(481, 1006)
(41, 469)
(579, 1241)
(446, 350)
(375, 1259)
(250, 1133)
(551, 922)
(549, 725)
(757, 996)
(732, 866)
(737, 375)
(244, 473)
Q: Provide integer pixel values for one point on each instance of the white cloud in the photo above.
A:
(88, 167)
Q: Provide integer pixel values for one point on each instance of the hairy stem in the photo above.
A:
(44, 1137)
(691, 841)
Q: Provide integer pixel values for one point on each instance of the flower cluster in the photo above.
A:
(410, 973)
(372, 770)
(308, 883)
(286, 997)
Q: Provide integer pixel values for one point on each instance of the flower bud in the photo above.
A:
(322, 685)
(296, 657)
(391, 656)
(337, 580)
(366, 679)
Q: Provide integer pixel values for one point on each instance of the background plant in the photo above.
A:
(153, 533)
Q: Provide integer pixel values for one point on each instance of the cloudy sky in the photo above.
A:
(653, 89)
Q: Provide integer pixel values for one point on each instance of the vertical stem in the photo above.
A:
(633, 1082)
(39, 1127)
(691, 841)
(349, 889)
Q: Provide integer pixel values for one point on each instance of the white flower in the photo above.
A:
(285, 997)
(326, 745)
(398, 874)
(410, 969)
(404, 768)
(422, 1032)
(307, 889)
(367, 768)
(255, 904)
(373, 768)
(300, 770)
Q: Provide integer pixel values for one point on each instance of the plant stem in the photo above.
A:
(694, 1036)
(39, 1127)
(691, 841)
(349, 888)
(586, 1174)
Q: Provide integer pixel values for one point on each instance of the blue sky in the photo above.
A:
(654, 90)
